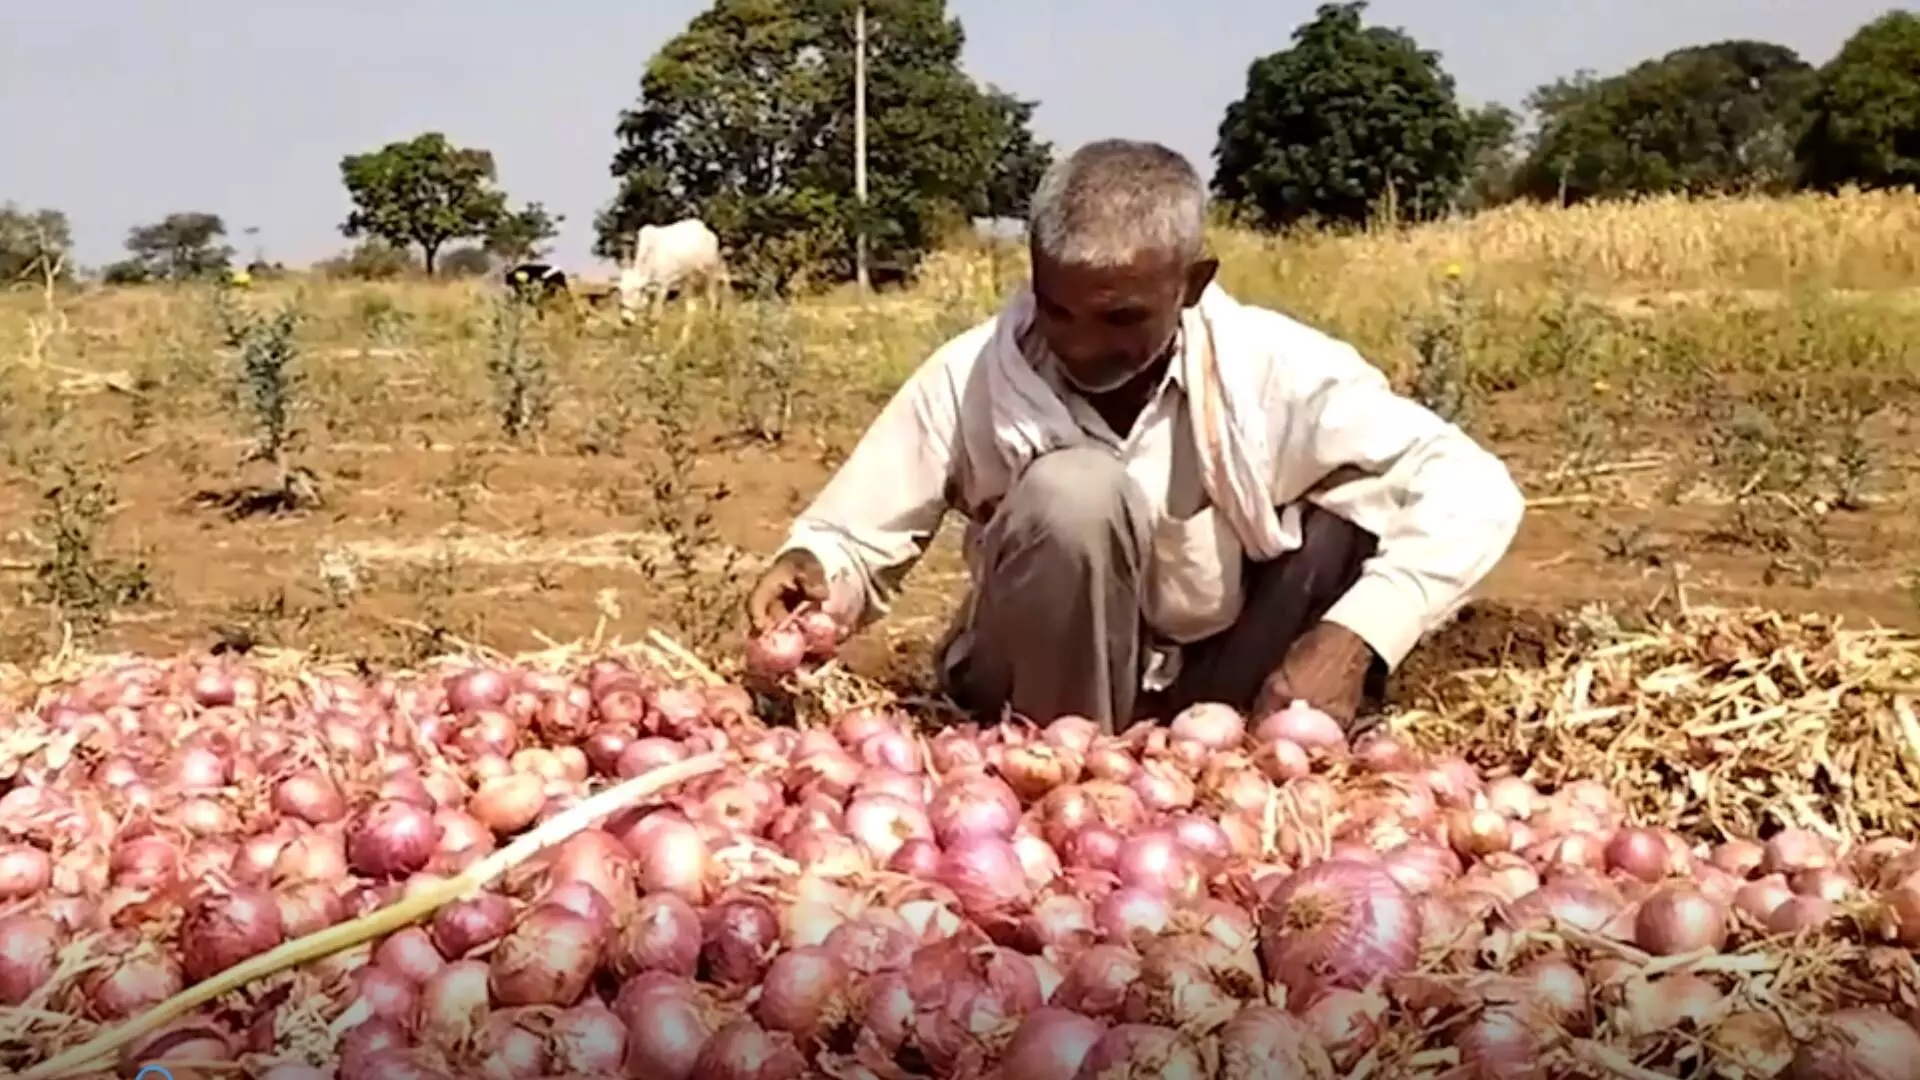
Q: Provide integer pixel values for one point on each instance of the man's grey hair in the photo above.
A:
(1111, 202)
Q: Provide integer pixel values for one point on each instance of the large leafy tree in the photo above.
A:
(187, 246)
(1705, 119)
(746, 121)
(424, 192)
(1349, 116)
(1865, 128)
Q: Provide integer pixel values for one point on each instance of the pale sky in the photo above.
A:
(121, 111)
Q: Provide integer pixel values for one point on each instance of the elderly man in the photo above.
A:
(1173, 497)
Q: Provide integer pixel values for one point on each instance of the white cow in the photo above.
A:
(666, 256)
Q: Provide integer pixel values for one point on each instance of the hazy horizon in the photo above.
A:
(119, 113)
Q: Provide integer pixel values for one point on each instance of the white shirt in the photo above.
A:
(1444, 509)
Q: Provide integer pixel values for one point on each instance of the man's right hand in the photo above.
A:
(794, 579)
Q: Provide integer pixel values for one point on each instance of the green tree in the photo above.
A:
(1710, 118)
(1493, 156)
(745, 121)
(33, 245)
(524, 234)
(186, 246)
(1866, 109)
(1347, 117)
(425, 192)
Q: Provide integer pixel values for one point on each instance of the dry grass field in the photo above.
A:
(1717, 397)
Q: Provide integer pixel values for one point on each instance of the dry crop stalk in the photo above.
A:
(393, 917)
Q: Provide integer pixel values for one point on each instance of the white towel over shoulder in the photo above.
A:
(1226, 375)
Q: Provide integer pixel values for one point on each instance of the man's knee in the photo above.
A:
(1078, 497)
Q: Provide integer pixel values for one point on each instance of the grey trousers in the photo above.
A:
(1056, 626)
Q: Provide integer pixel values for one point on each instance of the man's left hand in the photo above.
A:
(1326, 668)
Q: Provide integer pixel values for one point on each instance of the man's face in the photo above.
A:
(1107, 326)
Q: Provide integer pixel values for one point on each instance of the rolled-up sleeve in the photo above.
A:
(873, 520)
(1444, 509)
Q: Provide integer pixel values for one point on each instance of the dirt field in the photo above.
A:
(1715, 398)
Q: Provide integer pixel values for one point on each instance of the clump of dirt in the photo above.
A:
(1485, 635)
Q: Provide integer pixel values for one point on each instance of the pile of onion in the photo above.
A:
(1217, 893)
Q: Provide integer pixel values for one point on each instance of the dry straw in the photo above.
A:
(1717, 723)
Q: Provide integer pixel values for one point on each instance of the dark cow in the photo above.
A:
(537, 281)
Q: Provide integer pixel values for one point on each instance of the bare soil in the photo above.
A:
(546, 538)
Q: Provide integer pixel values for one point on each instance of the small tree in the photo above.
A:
(1348, 117)
(186, 246)
(1866, 109)
(425, 192)
(525, 235)
(34, 245)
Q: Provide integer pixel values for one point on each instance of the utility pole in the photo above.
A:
(860, 143)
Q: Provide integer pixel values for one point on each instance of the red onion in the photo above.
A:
(1304, 726)
(664, 1039)
(588, 1040)
(1036, 769)
(973, 806)
(661, 934)
(226, 925)
(739, 939)
(1337, 925)
(1097, 982)
(453, 1004)
(1791, 850)
(1640, 853)
(1049, 1045)
(1093, 847)
(1347, 1022)
(1261, 1041)
(743, 1050)
(672, 856)
(804, 994)
(985, 874)
(130, 986)
(386, 995)
(465, 925)
(391, 839)
(1156, 861)
(1211, 724)
(1678, 919)
(882, 823)
(1858, 1044)
(1129, 912)
(411, 954)
(547, 959)
(29, 952)
(24, 871)
(777, 653)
